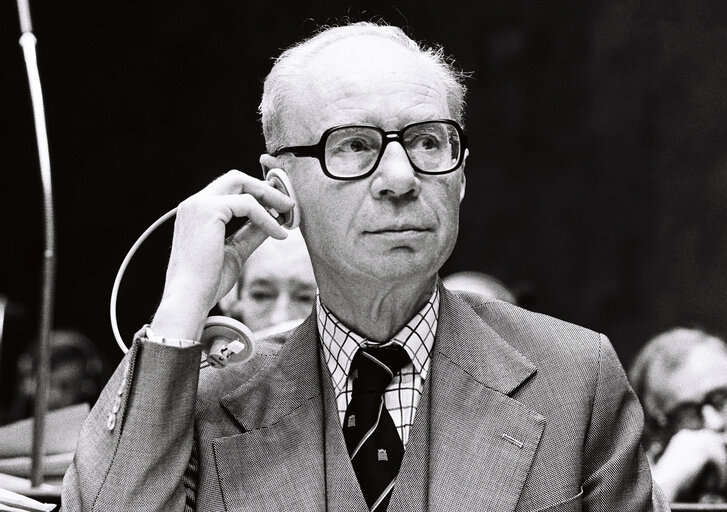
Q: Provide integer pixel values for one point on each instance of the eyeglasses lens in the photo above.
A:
(352, 150)
(687, 417)
(718, 399)
(432, 147)
(690, 416)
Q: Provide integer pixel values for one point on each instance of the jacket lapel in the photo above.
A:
(281, 447)
(482, 441)
(412, 484)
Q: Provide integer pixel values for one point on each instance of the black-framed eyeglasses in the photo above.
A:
(353, 152)
(689, 415)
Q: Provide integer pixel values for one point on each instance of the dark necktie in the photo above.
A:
(373, 442)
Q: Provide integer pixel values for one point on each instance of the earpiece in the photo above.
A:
(278, 178)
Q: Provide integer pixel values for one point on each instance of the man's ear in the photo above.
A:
(274, 174)
(268, 162)
(464, 178)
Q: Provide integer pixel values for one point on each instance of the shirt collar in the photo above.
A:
(339, 343)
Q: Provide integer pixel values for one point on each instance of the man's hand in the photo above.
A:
(203, 266)
(686, 457)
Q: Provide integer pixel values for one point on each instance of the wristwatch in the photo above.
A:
(146, 334)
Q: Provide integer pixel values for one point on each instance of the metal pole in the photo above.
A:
(42, 360)
(3, 310)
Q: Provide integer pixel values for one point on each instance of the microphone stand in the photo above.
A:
(42, 373)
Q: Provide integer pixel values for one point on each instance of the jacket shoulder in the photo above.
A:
(539, 337)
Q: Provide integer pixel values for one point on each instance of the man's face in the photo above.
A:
(703, 373)
(396, 223)
(278, 285)
(68, 375)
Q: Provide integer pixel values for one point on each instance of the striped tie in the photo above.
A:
(373, 443)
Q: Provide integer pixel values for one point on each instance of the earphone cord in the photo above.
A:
(122, 269)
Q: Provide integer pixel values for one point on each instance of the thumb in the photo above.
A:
(238, 248)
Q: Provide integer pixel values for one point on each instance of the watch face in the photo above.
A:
(145, 334)
(150, 336)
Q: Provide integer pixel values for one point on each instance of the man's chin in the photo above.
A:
(402, 265)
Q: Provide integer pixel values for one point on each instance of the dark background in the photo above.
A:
(596, 182)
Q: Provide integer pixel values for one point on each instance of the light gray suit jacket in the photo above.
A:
(520, 412)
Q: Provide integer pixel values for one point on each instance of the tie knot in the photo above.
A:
(374, 368)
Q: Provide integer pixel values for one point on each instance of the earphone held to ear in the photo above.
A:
(224, 339)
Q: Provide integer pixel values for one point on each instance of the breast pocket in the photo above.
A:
(570, 505)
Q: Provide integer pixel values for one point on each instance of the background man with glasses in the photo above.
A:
(276, 288)
(681, 379)
(395, 393)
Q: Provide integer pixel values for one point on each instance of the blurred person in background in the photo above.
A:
(76, 374)
(479, 282)
(277, 285)
(680, 377)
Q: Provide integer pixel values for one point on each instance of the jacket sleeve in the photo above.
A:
(135, 446)
(615, 469)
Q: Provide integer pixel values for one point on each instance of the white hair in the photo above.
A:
(292, 64)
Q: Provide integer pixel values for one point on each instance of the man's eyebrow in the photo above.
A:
(304, 284)
(261, 281)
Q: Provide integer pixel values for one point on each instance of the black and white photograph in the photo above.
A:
(363, 256)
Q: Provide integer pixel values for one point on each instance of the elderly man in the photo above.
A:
(277, 286)
(395, 393)
(681, 378)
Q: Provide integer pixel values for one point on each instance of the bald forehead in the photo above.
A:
(361, 77)
(281, 258)
(356, 50)
(281, 250)
(358, 58)
(702, 369)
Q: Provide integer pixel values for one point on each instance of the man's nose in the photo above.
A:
(713, 419)
(282, 311)
(395, 177)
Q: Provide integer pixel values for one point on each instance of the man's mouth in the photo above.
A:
(399, 228)
(398, 231)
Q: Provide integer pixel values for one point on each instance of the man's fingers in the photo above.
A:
(238, 248)
(229, 183)
(199, 210)
(245, 205)
(236, 182)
